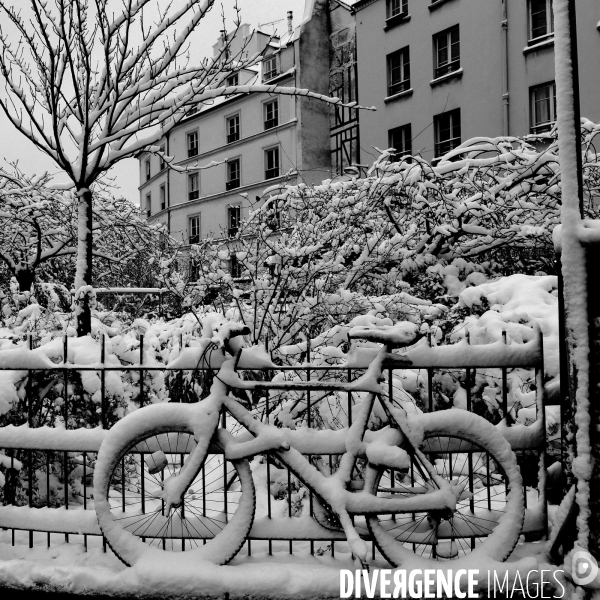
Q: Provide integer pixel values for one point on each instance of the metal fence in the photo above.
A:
(51, 439)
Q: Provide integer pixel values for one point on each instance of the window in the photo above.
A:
(447, 131)
(269, 67)
(233, 79)
(398, 71)
(194, 270)
(233, 129)
(148, 205)
(400, 138)
(233, 174)
(194, 230)
(163, 197)
(192, 144)
(161, 160)
(192, 111)
(543, 107)
(541, 19)
(272, 163)
(396, 7)
(271, 114)
(447, 52)
(193, 188)
(233, 220)
(235, 266)
(147, 167)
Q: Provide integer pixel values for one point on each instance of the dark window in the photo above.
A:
(447, 131)
(163, 197)
(233, 174)
(344, 149)
(269, 67)
(194, 237)
(398, 71)
(541, 19)
(346, 91)
(192, 144)
(543, 107)
(271, 114)
(232, 79)
(235, 267)
(447, 52)
(192, 111)
(148, 205)
(193, 187)
(233, 220)
(233, 129)
(147, 166)
(396, 7)
(271, 163)
(194, 269)
(162, 164)
(400, 138)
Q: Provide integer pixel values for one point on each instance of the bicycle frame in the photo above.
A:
(333, 490)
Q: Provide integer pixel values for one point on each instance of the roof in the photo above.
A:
(360, 4)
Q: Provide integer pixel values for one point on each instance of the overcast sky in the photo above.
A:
(14, 146)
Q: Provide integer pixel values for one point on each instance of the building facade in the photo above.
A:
(266, 139)
(441, 72)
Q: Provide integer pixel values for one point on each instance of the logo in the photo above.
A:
(584, 567)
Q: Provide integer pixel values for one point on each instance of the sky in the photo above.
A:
(15, 147)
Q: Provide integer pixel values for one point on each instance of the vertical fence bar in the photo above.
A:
(103, 381)
(505, 385)
(141, 370)
(48, 489)
(308, 424)
(269, 513)
(84, 494)
(29, 392)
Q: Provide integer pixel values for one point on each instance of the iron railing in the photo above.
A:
(63, 455)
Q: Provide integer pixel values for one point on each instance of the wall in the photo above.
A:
(478, 93)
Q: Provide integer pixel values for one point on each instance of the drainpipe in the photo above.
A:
(290, 17)
(505, 99)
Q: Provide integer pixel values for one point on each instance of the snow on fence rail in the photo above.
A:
(49, 470)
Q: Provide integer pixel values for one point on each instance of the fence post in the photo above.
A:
(141, 370)
(103, 380)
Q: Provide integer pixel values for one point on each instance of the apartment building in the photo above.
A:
(266, 139)
(443, 71)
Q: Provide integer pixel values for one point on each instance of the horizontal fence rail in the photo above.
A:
(50, 444)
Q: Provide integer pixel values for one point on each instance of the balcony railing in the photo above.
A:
(194, 195)
(192, 152)
(272, 173)
(400, 86)
(270, 74)
(232, 184)
(445, 146)
(233, 137)
(270, 123)
(233, 231)
(194, 239)
(447, 68)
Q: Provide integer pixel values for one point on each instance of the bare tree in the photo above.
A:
(38, 225)
(80, 87)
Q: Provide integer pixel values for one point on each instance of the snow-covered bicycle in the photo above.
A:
(443, 484)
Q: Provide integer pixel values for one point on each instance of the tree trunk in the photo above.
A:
(25, 279)
(83, 273)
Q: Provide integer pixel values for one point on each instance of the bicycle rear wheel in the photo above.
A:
(465, 449)
(216, 511)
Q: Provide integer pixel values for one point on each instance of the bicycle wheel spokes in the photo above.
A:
(137, 501)
(444, 535)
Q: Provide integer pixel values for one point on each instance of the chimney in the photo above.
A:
(290, 16)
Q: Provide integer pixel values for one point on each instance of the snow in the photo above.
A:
(573, 261)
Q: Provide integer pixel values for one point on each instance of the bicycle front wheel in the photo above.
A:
(468, 451)
(139, 455)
